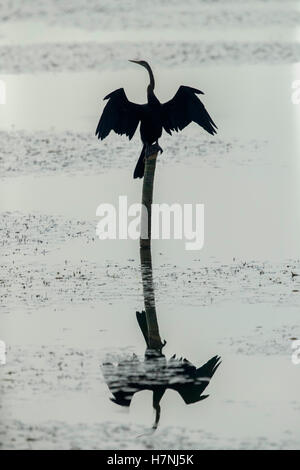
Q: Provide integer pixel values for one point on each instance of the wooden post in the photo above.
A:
(155, 341)
(147, 197)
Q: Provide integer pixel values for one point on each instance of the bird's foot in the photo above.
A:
(159, 148)
(152, 150)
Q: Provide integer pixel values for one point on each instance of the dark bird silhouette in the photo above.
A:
(123, 117)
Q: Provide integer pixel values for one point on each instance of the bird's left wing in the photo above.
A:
(184, 108)
(119, 115)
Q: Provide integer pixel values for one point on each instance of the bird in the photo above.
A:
(123, 117)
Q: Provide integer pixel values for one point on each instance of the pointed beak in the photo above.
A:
(134, 61)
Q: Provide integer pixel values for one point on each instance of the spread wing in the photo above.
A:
(194, 381)
(119, 115)
(184, 108)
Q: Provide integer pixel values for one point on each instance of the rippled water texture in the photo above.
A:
(85, 326)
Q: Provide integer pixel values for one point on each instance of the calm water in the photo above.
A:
(69, 315)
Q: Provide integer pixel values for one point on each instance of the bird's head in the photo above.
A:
(143, 63)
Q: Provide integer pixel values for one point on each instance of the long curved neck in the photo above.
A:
(152, 82)
(150, 89)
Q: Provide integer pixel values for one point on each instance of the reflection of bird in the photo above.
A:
(123, 117)
(190, 382)
(157, 374)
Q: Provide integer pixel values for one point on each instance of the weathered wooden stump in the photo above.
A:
(155, 341)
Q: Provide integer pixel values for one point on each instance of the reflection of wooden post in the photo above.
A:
(154, 339)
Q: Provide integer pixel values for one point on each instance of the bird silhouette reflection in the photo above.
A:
(155, 372)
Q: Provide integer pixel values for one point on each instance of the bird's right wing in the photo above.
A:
(209, 368)
(194, 381)
(184, 108)
(119, 115)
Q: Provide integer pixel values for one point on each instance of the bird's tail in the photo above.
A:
(140, 166)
